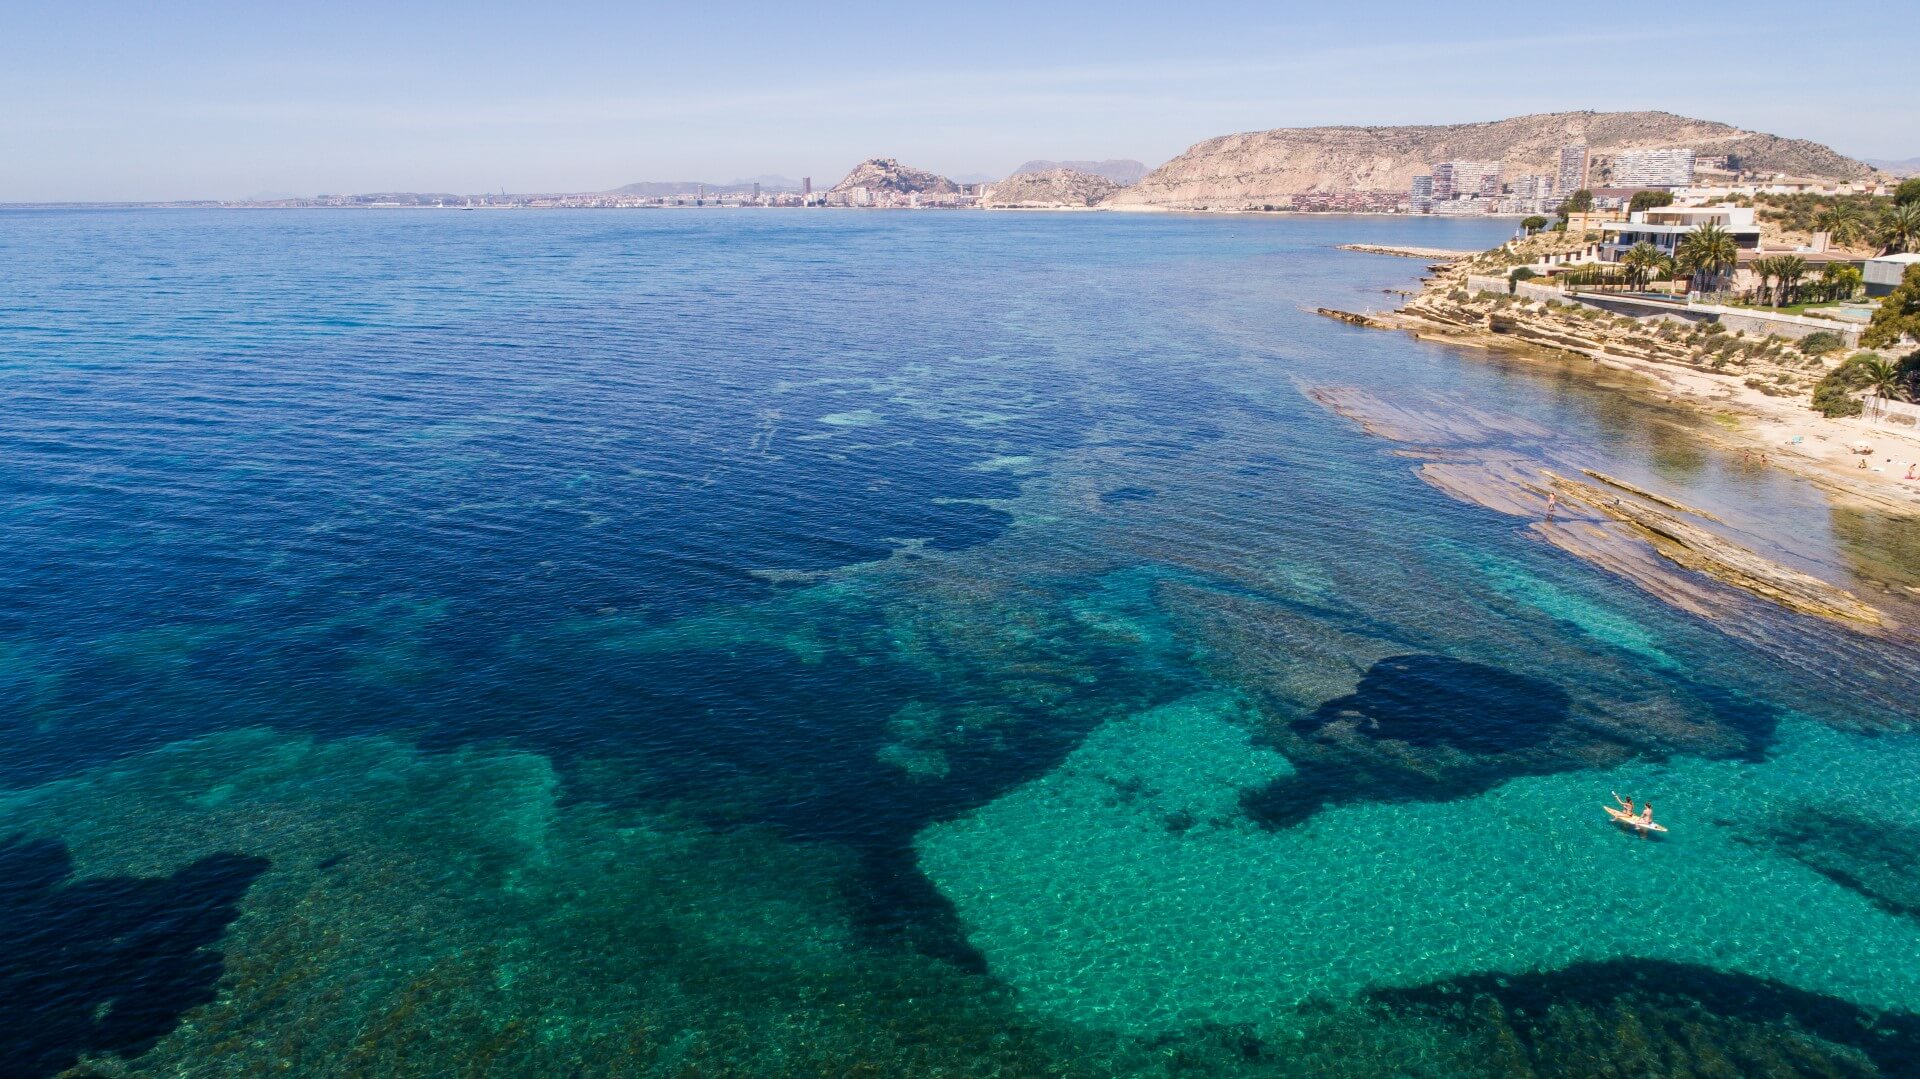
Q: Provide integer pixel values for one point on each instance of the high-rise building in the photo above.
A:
(1422, 193)
(1465, 180)
(756, 191)
(1573, 167)
(1653, 168)
(806, 185)
(1533, 186)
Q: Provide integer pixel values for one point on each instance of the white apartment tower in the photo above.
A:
(1573, 167)
(1653, 168)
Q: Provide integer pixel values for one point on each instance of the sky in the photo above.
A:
(110, 101)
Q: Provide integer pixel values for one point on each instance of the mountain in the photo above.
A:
(1905, 167)
(887, 174)
(1270, 167)
(1050, 188)
(1119, 170)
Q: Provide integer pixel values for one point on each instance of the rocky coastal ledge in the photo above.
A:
(1655, 541)
(1443, 254)
(1754, 389)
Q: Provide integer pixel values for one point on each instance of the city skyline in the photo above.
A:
(223, 101)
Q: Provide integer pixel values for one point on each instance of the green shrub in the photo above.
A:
(1822, 342)
(1522, 274)
(1833, 395)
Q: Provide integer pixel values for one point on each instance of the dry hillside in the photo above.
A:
(1052, 188)
(1269, 167)
(887, 174)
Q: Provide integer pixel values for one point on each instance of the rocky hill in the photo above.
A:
(887, 174)
(1269, 167)
(1052, 188)
(1119, 170)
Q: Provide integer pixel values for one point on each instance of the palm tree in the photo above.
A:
(1900, 229)
(1789, 269)
(1641, 261)
(1881, 378)
(1707, 252)
(1839, 281)
(1764, 270)
(1841, 222)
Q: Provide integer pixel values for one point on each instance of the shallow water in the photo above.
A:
(802, 643)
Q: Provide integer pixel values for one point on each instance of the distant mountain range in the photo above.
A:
(1270, 167)
(1119, 170)
(1904, 167)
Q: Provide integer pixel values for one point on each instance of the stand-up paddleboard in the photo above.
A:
(1624, 817)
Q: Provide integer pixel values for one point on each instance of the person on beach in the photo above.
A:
(1911, 465)
(1553, 500)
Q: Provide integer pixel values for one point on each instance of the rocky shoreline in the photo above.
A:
(1755, 392)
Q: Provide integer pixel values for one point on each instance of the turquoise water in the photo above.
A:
(869, 643)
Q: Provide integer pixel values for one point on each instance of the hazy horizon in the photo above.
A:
(223, 101)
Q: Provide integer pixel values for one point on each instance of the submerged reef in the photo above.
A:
(1640, 1017)
(432, 914)
(1127, 890)
(1361, 719)
(1878, 859)
(107, 964)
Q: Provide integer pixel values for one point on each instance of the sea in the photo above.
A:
(858, 643)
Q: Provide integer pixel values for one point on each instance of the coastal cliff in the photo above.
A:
(1266, 168)
(1054, 188)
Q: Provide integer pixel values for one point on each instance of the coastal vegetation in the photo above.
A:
(1891, 380)
(1822, 343)
(1890, 225)
(1645, 262)
(1706, 253)
(1649, 199)
(1898, 317)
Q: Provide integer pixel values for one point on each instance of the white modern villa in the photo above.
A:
(1665, 226)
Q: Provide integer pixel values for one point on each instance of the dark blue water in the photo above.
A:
(613, 642)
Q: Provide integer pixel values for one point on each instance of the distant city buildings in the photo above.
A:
(1422, 194)
(1346, 202)
(1653, 168)
(1573, 167)
(1465, 180)
(1530, 194)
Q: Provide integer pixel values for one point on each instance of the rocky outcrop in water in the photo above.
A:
(1269, 167)
(1053, 188)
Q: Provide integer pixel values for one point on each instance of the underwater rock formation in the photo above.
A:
(105, 965)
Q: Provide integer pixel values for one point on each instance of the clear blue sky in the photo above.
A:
(117, 100)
